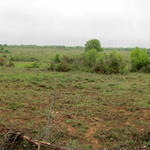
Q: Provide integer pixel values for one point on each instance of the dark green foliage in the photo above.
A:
(5, 56)
(140, 60)
(93, 44)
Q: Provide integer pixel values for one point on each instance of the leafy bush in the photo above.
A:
(61, 67)
(110, 63)
(90, 57)
(93, 44)
(33, 65)
(115, 63)
(60, 64)
(66, 63)
(139, 59)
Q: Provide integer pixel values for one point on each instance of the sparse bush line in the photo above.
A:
(91, 61)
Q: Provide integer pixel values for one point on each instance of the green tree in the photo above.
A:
(93, 44)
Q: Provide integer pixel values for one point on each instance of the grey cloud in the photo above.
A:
(68, 22)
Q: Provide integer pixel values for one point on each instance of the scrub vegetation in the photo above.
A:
(101, 95)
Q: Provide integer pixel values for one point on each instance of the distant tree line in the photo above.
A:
(44, 46)
(121, 48)
(90, 42)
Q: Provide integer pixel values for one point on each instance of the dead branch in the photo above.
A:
(45, 144)
(12, 137)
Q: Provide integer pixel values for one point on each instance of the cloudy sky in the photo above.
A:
(73, 22)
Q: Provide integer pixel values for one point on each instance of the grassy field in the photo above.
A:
(91, 111)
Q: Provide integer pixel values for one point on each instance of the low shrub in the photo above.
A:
(63, 64)
(60, 67)
(33, 65)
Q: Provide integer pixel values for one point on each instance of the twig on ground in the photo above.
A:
(13, 137)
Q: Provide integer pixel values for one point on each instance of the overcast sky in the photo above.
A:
(73, 22)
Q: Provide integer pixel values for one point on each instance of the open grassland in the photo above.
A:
(41, 53)
(91, 111)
